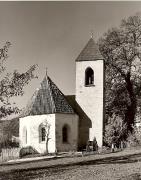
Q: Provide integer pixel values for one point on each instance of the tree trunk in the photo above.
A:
(131, 109)
(47, 146)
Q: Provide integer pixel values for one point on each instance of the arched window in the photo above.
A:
(24, 135)
(65, 133)
(42, 133)
(89, 76)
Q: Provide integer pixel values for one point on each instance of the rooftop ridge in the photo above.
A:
(59, 102)
(51, 95)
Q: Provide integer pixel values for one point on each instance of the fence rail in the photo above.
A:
(9, 154)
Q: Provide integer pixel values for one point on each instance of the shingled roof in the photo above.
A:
(90, 52)
(48, 99)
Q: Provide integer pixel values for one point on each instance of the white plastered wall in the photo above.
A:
(91, 98)
(32, 124)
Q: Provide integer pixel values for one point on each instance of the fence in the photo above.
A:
(9, 154)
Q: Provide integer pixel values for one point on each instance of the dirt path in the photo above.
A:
(122, 165)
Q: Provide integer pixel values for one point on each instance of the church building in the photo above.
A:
(53, 121)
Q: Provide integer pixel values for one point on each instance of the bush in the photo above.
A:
(8, 144)
(27, 151)
(115, 131)
(134, 138)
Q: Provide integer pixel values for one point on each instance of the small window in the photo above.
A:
(43, 134)
(89, 77)
(65, 134)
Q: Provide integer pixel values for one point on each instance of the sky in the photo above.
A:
(52, 34)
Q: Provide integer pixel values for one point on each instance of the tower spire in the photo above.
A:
(46, 73)
(90, 52)
(92, 34)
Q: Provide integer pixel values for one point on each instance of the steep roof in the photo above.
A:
(90, 52)
(83, 118)
(48, 99)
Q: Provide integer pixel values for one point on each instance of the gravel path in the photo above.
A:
(122, 165)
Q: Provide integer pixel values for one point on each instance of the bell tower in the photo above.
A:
(90, 88)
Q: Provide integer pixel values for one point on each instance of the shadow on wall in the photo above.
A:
(84, 123)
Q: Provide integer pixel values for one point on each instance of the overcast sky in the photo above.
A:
(52, 34)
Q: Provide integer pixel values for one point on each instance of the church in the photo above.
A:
(54, 122)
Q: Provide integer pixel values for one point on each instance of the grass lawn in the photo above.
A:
(124, 165)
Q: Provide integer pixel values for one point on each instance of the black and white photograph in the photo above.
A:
(70, 90)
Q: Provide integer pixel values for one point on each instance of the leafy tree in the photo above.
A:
(115, 131)
(11, 84)
(121, 49)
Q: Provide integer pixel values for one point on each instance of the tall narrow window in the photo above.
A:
(89, 77)
(43, 134)
(24, 135)
(65, 134)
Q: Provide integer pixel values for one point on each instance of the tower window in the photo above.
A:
(89, 77)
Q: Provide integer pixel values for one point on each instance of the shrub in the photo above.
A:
(27, 151)
(115, 131)
(8, 144)
(134, 138)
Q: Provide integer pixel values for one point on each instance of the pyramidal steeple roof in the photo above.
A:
(90, 52)
(48, 99)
